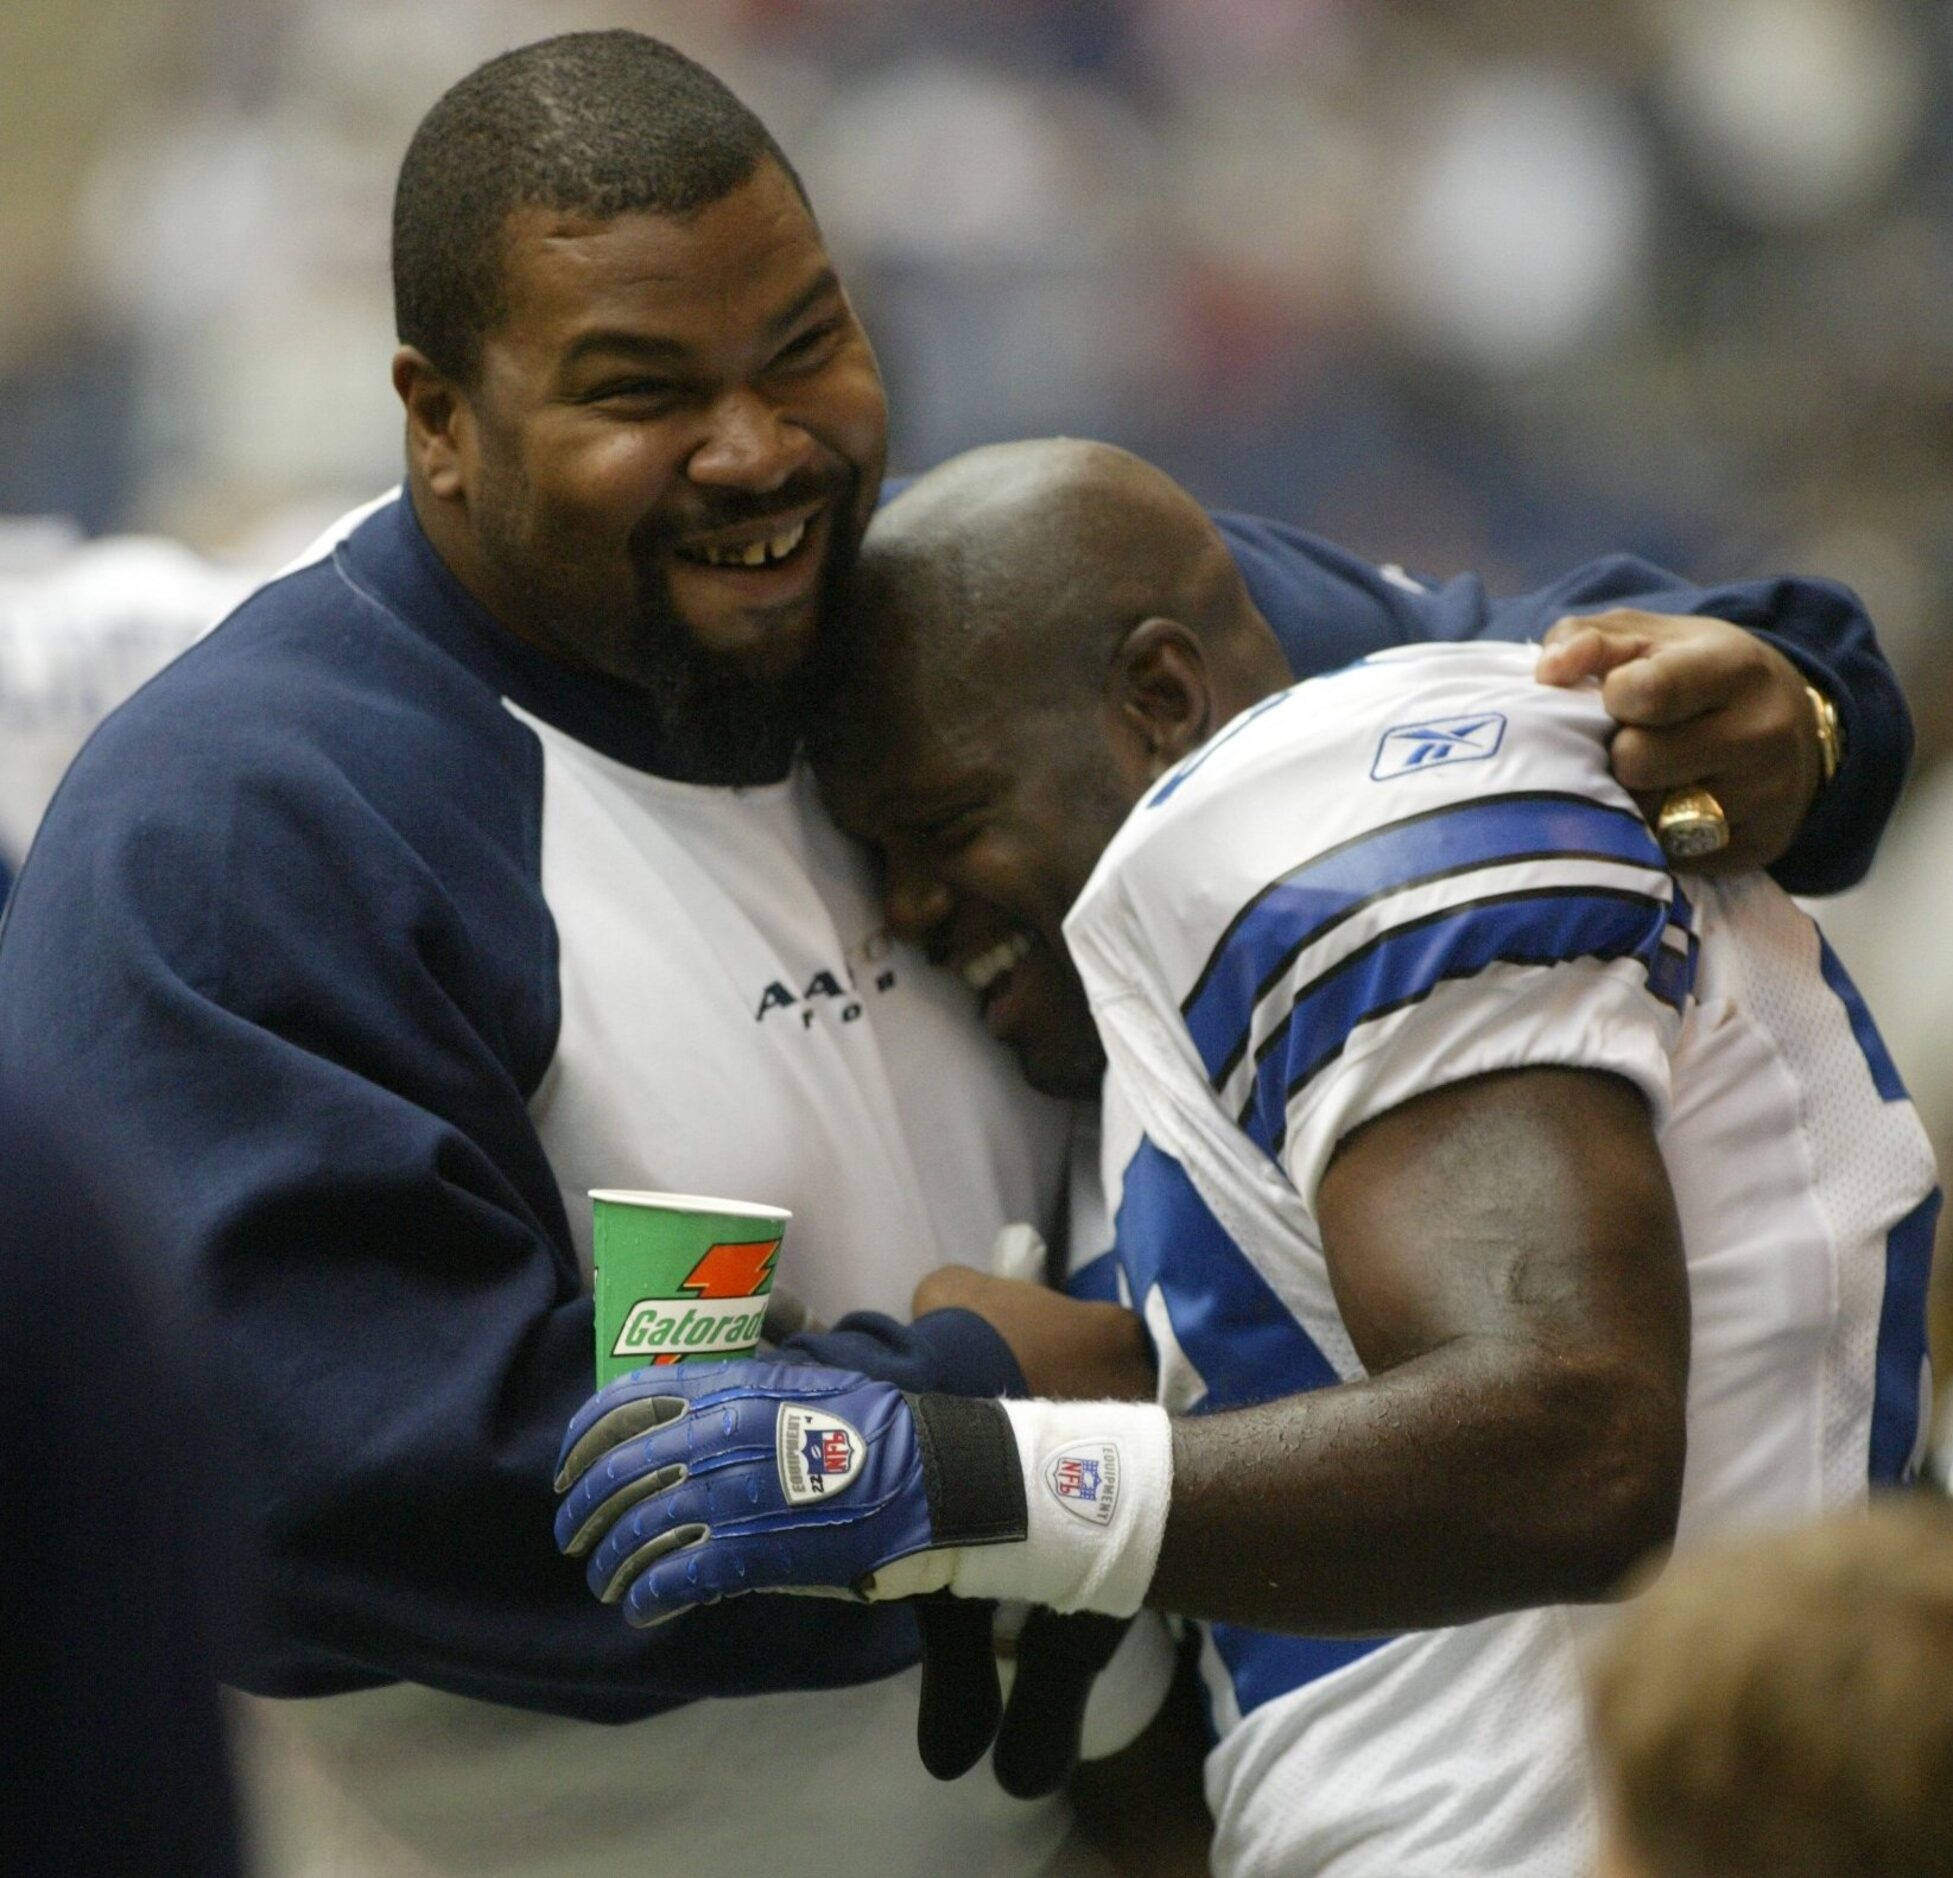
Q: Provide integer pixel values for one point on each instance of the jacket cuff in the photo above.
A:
(954, 1352)
(1838, 836)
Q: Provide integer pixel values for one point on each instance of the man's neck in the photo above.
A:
(1246, 665)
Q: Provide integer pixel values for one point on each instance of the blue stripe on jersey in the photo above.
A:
(1537, 926)
(1262, 1666)
(1901, 1356)
(1290, 913)
(1671, 971)
(1235, 1331)
(1885, 1073)
(1898, 1391)
(1247, 1347)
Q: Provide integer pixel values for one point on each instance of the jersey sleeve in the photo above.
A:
(1524, 921)
(318, 1027)
(1329, 607)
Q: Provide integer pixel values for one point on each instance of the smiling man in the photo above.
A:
(1499, 1208)
(648, 432)
(469, 866)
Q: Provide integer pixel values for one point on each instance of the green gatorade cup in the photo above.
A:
(680, 1278)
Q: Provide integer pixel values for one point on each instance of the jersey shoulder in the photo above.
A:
(1412, 760)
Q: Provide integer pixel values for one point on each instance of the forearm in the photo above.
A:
(1479, 1477)
(1455, 1486)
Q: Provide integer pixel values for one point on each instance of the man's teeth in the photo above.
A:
(981, 972)
(753, 553)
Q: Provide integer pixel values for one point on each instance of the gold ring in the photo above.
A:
(1691, 824)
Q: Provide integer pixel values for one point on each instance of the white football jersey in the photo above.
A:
(1414, 871)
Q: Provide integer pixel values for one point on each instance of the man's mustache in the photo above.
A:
(707, 513)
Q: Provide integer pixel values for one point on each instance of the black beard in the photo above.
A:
(719, 723)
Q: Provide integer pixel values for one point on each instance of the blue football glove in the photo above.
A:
(686, 1485)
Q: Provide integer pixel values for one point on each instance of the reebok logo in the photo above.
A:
(1408, 747)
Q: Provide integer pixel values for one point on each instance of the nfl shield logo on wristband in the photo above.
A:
(1084, 1480)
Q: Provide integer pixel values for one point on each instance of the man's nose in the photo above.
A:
(748, 444)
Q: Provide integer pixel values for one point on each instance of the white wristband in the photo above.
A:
(1098, 1477)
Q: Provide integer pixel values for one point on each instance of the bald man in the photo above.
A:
(1497, 1209)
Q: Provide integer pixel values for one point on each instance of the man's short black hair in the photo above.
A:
(604, 122)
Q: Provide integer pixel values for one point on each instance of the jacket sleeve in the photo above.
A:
(1328, 607)
(120, 1589)
(320, 1043)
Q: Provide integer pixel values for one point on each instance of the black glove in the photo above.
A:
(961, 1712)
(1058, 1660)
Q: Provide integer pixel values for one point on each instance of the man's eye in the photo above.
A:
(809, 347)
(949, 832)
(635, 391)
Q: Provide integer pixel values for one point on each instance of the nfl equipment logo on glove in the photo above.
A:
(819, 1454)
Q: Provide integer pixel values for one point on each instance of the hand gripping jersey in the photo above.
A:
(1415, 871)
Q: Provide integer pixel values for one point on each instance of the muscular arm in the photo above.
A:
(1506, 1255)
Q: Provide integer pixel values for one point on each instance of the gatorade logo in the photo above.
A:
(668, 1332)
(724, 1320)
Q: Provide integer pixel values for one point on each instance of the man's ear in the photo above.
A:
(440, 422)
(1158, 696)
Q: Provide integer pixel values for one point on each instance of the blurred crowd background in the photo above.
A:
(1489, 284)
(1486, 283)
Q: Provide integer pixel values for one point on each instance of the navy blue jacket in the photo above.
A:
(116, 1573)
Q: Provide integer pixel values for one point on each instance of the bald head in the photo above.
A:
(1039, 558)
(1037, 631)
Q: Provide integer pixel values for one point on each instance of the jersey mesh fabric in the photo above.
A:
(1317, 1787)
(1871, 1160)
